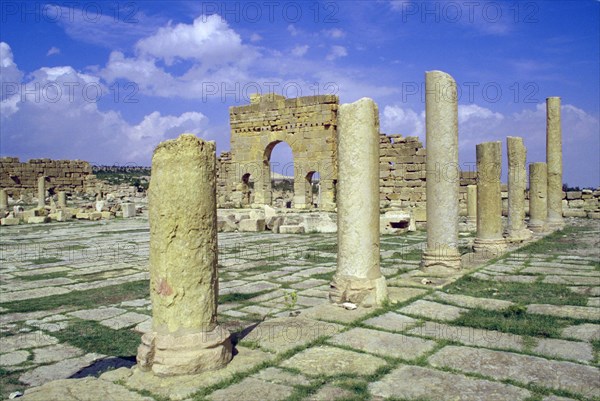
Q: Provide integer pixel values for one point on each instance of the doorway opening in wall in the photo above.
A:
(313, 189)
(279, 169)
(247, 189)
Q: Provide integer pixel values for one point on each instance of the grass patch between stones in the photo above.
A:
(83, 299)
(44, 276)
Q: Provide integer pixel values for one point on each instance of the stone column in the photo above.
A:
(472, 206)
(358, 278)
(443, 173)
(517, 184)
(489, 201)
(538, 197)
(554, 163)
(3, 199)
(41, 192)
(62, 199)
(185, 337)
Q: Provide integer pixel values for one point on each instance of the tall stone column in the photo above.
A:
(538, 197)
(472, 206)
(517, 184)
(443, 173)
(41, 192)
(62, 199)
(554, 163)
(185, 337)
(489, 201)
(3, 199)
(358, 278)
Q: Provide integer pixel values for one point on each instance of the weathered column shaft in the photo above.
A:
(3, 199)
(62, 199)
(489, 201)
(472, 204)
(41, 192)
(443, 172)
(517, 184)
(183, 261)
(358, 278)
(554, 162)
(538, 196)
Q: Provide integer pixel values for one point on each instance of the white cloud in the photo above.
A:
(53, 50)
(334, 33)
(406, 122)
(255, 37)
(300, 51)
(337, 52)
(292, 30)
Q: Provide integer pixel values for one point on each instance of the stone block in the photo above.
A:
(291, 229)
(9, 221)
(128, 210)
(574, 195)
(38, 219)
(252, 225)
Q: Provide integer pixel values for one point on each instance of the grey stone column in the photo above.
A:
(41, 192)
(185, 338)
(62, 199)
(3, 199)
(443, 173)
(554, 163)
(538, 197)
(472, 206)
(358, 278)
(489, 201)
(517, 184)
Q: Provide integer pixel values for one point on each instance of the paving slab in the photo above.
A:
(27, 340)
(181, 387)
(524, 369)
(569, 311)
(383, 343)
(125, 320)
(433, 310)
(98, 313)
(335, 313)
(33, 293)
(13, 358)
(282, 334)
(251, 389)
(392, 321)
(325, 361)
(59, 370)
(329, 393)
(585, 332)
(469, 336)
(87, 389)
(420, 383)
(572, 280)
(55, 353)
(280, 376)
(470, 302)
(573, 350)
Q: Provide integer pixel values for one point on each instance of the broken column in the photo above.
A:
(489, 201)
(185, 336)
(443, 173)
(538, 199)
(517, 183)
(41, 196)
(3, 199)
(62, 199)
(554, 163)
(358, 278)
(472, 206)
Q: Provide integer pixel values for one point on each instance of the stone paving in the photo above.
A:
(291, 343)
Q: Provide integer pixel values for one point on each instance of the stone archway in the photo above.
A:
(267, 176)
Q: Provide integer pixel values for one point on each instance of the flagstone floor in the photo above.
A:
(526, 326)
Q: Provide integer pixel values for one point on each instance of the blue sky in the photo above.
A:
(107, 81)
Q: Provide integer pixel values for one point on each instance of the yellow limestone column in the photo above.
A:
(472, 206)
(517, 183)
(358, 278)
(442, 175)
(62, 199)
(538, 197)
(185, 337)
(41, 192)
(489, 201)
(554, 163)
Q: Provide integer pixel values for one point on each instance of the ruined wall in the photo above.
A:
(68, 175)
(307, 124)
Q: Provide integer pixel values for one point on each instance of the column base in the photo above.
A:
(518, 235)
(359, 291)
(171, 355)
(433, 260)
(553, 225)
(494, 247)
(537, 226)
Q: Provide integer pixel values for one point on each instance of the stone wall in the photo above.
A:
(62, 175)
